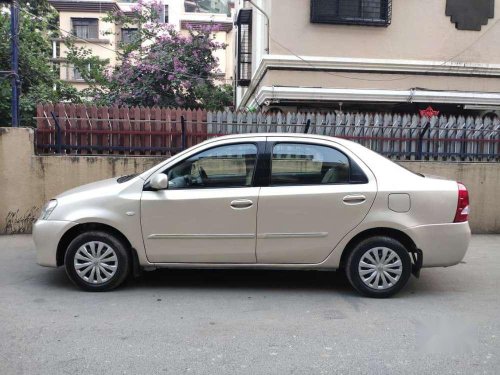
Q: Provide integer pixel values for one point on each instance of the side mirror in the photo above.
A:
(159, 182)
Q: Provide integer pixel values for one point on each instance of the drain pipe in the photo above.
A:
(268, 24)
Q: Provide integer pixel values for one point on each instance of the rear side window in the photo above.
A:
(308, 164)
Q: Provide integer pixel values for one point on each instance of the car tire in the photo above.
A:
(378, 267)
(97, 261)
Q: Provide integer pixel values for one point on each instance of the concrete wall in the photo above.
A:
(376, 81)
(419, 30)
(27, 181)
(483, 182)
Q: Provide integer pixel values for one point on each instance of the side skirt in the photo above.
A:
(304, 267)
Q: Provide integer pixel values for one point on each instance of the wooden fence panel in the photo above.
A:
(72, 139)
(168, 127)
(158, 131)
(188, 119)
(155, 130)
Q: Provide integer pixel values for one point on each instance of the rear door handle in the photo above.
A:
(241, 204)
(354, 199)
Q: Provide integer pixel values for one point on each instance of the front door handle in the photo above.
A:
(354, 199)
(241, 204)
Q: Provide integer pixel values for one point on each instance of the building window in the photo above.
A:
(164, 14)
(352, 12)
(129, 35)
(208, 6)
(244, 63)
(77, 75)
(85, 28)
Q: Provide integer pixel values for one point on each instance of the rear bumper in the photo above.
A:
(46, 235)
(442, 245)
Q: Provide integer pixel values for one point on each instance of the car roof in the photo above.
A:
(288, 135)
(376, 162)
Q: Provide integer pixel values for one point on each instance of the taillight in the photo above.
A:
(462, 213)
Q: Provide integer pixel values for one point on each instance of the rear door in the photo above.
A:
(317, 193)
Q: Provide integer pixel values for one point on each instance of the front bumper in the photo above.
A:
(46, 235)
(442, 245)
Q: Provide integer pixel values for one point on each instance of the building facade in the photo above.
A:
(84, 19)
(368, 55)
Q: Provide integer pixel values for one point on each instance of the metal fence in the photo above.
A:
(78, 129)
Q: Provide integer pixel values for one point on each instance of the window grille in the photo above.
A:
(244, 63)
(352, 12)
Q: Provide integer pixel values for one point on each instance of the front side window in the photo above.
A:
(308, 164)
(353, 12)
(85, 28)
(219, 167)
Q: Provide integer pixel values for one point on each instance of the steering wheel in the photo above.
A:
(203, 175)
(188, 180)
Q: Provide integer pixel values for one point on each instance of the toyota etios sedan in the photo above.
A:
(260, 201)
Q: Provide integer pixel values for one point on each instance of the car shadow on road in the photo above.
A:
(242, 279)
(258, 280)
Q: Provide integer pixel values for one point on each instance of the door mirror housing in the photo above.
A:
(159, 182)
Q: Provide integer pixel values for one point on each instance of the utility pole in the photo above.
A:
(14, 36)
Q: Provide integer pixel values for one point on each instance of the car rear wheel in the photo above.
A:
(97, 261)
(378, 267)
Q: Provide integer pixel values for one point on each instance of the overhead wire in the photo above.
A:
(310, 63)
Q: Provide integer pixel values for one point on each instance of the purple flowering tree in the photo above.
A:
(157, 66)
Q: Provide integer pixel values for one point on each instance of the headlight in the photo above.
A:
(47, 209)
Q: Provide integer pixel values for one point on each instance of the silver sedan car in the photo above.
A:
(278, 201)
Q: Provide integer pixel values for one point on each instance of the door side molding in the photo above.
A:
(200, 236)
(293, 235)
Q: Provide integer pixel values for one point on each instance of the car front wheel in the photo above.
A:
(97, 261)
(378, 267)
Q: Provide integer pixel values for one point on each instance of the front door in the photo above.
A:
(316, 195)
(208, 212)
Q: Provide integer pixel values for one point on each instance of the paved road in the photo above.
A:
(249, 322)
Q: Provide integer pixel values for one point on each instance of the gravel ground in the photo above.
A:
(249, 322)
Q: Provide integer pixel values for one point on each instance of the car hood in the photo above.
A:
(94, 186)
(103, 201)
(101, 187)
